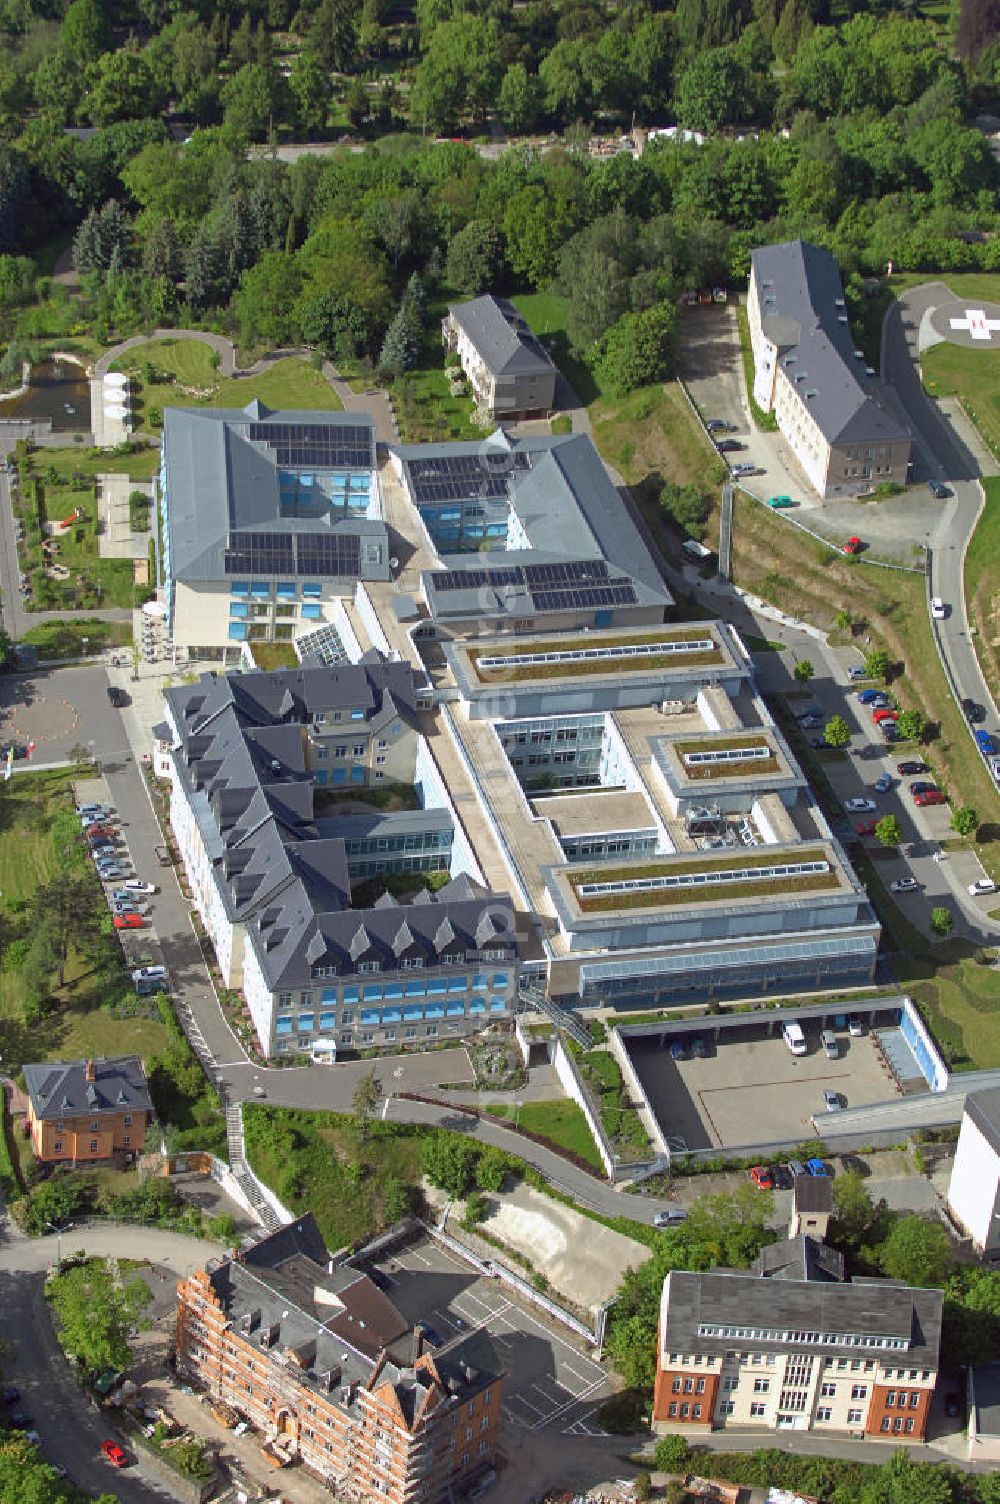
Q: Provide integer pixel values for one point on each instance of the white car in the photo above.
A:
(938, 608)
(860, 806)
(136, 885)
(148, 973)
(904, 885)
(982, 885)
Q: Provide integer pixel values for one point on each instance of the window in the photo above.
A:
(727, 1407)
(854, 1417)
(126, 1139)
(909, 1423)
(689, 1386)
(761, 1386)
(127, 1120)
(685, 1412)
(676, 1386)
(886, 1423)
(890, 1398)
(673, 1410)
(827, 1391)
(914, 1400)
(94, 1127)
(824, 1413)
(93, 1146)
(696, 1412)
(57, 1147)
(859, 1391)
(757, 1408)
(699, 1388)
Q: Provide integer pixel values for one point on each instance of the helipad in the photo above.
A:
(967, 322)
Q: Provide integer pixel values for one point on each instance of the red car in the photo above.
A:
(762, 1177)
(933, 796)
(116, 1455)
(129, 921)
(884, 714)
(866, 827)
(99, 829)
(852, 546)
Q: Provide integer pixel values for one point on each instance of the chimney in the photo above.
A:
(89, 1073)
(418, 1342)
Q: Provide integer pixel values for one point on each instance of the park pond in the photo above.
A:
(58, 392)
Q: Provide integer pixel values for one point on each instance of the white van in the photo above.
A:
(794, 1037)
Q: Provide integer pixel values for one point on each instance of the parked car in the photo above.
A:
(128, 921)
(126, 907)
(97, 829)
(921, 786)
(884, 713)
(118, 697)
(678, 1049)
(761, 1177)
(831, 1100)
(817, 1167)
(858, 671)
(860, 806)
(136, 885)
(974, 712)
(853, 546)
(810, 722)
(796, 1168)
(933, 796)
(101, 843)
(110, 872)
(908, 768)
(938, 608)
(745, 468)
(699, 1049)
(148, 973)
(93, 811)
(982, 885)
(889, 730)
(855, 1025)
(904, 885)
(883, 783)
(728, 446)
(779, 503)
(937, 489)
(116, 1455)
(719, 425)
(866, 827)
(670, 1217)
(871, 697)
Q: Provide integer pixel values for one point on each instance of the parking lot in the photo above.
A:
(752, 1090)
(557, 1387)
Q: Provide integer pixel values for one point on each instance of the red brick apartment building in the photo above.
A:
(793, 1345)
(327, 1370)
(87, 1110)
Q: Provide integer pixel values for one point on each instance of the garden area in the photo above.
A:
(185, 373)
(63, 563)
(601, 1075)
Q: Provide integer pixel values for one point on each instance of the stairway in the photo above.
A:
(562, 1018)
(247, 1183)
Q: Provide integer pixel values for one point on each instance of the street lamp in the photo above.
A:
(517, 1109)
(59, 1232)
(84, 641)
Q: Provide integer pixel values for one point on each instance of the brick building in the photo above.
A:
(87, 1110)
(793, 1345)
(328, 1372)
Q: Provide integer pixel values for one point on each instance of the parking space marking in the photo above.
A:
(574, 1401)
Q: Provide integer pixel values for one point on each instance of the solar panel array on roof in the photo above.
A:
(302, 446)
(579, 572)
(313, 554)
(553, 587)
(455, 477)
(571, 600)
(475, 579)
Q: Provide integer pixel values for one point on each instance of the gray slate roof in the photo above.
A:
(800, 1258)
(983, 1109)
(501, 337)
(280, 872)
(986, 1400)
(60, 1089)
(812, 1193)
(873, 1308)
(220, 481)
(803, 312)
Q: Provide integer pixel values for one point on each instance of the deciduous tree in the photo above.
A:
(97, 1307)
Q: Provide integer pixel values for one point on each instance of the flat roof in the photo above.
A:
(697, 764)
(593, 813)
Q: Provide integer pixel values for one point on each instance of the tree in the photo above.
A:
(912, 725)
(203, 268)
(97, 1307)
(492, 1168)
(877, 664)
(731, 1227)
(972, 1325)
(671, 1454)
(6, 650)
(687, 505)
(365, 1099)
(251, 100)
(836, 732)
(842, 620)
(964, 820)
(803, 671)
(121, 87)
(709, 92)
(85, 31)
(520, 101)
(65, 913)
(104, 232)
(395, 1199)
(916, 1251)
(310, 85)
(356, 102)
(266, 301)
(942, 921)
(637, 350)
(475, 258)
(333, 34)
(887, 831)
(459, 73)
(401, 345)
(858, 1222)
(449, 1162)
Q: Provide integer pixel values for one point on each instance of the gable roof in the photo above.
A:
(501, 338)
(59, 1089)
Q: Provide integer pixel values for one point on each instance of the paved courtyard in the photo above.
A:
(553, 1384)
(753, 1090)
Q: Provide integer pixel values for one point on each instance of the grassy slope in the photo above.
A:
(561, 1121)
(974, 377)
(982, 585)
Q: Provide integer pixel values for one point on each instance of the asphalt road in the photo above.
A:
(940, 453)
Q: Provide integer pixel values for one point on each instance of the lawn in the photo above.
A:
(982, 585)
(75, 1025)
(184, 375)
(545, 313)
(561, 1122)
(64, 639)
(426, 410)
(974, 377)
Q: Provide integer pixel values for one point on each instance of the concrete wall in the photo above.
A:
(974, 1191)
(572, 1085)
(925, 1051)
(434, 795)
(629, 1075)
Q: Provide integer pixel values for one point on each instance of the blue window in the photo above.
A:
(287, 592)
(498, 1005)
(373, 992)
(479, 980)
(435, 1010)
(237, 631)
(369, 1015)
(357, 715)
(392, 1015)
(438, 985)
(478, 1005)
(328, 1020)
(283, 1026)
(394, 989)
(340, 775)
(413, 1010)
(306, 1024)
(499, 980)
(357, 775)
(456, 1010)
(351, 994)
(322, 776)
(329, 995)
(312, 592)
(416, 989)
(602, 618)
(312, 613)
(238, 608)
(260, 587)
(239, 587)
(457, 984)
